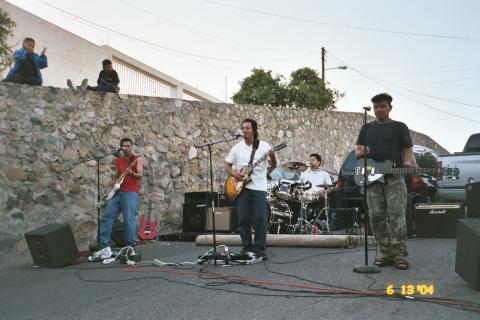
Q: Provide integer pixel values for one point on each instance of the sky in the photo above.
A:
(424, 53)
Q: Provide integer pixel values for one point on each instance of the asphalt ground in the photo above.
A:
(308, 283)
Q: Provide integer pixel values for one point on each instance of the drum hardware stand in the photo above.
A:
(209, 145)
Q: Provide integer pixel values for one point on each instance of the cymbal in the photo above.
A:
(324, 185)
(294, 167)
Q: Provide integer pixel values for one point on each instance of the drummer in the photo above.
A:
(316, 176)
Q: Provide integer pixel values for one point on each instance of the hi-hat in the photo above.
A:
(294, 167)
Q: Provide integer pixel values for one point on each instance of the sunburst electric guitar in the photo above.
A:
(233, 187)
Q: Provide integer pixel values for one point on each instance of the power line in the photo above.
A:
(164, 47)
(429, 35)
(400, 93)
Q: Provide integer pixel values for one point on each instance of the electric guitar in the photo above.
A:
(148, 228)
(233, 187)
(108, 196)
(377, 170)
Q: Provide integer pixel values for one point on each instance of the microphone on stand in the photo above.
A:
(367, 108)
(238, 135)
(118, 151)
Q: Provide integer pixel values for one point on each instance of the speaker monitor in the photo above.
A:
(437, 220)
(225, 219)
(467, 260)
(52, 245)
(473, 199)
(194, 217)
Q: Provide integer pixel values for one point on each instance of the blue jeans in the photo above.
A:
(252, 204)
(105, 88)
(127, 203)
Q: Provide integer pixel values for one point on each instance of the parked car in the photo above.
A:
(420, 187)
(452, 188)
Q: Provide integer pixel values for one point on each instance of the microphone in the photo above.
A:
(118, 150)
(367, 108)
(238, 135)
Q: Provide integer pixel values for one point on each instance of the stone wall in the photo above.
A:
(45, 131)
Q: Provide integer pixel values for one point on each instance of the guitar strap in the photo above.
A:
(256, 143)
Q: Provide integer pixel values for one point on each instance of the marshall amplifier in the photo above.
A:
(473, 199)
(437, 220)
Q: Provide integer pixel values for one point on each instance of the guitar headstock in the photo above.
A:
(452, 172)
(280, 146)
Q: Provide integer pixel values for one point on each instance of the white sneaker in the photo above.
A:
(105, 253)
(83, 85)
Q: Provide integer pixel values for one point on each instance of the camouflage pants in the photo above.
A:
(387, 204)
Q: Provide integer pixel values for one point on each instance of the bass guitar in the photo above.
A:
(376, 171)
(233, 187)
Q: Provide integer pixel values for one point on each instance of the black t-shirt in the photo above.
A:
(108, 77)
(27, 69)
(386, 140)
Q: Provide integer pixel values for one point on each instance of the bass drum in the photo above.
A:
(280, 217)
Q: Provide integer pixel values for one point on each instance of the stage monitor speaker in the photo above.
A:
(202, 197)
(437, 220)
(194, 217)
(225, 219)
(473, 199)
(467, 260)
(52, 245)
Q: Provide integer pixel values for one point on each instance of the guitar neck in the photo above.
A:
(406, 170)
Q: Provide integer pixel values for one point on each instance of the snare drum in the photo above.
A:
(286, 190)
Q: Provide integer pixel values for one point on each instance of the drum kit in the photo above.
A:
(284, 194)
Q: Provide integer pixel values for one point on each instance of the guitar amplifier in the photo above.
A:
(437, 220)
(225, 219)
(201, 197)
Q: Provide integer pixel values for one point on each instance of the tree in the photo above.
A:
(307, 90)
(261, 88)
(6, 30)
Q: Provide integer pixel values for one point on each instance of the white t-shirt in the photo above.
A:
(316, 177)
(239, 156)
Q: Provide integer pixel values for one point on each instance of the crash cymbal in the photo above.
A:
(294, 167)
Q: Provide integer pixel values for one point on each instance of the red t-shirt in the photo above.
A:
(130, 183)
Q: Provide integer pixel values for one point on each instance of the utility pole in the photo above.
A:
(323, 64)
(226, 94)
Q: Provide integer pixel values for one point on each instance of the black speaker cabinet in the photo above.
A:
(225, 219)
(201, 197)
(437, 220)
(52, 245)
(194, 217)
(467, 261)
(473, 199)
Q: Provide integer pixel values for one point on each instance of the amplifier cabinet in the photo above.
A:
(437, 220)
(225, 219)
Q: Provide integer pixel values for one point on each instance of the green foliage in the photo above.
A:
(305, 90)
(6, 26)
(425, 160)
(261, 88)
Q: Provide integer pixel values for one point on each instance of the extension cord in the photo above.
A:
(130, 263)
(107, 261)
(158, 263)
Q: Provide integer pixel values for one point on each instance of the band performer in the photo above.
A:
(125, 201)
(252, 202)
(316, 176)
(387, 139)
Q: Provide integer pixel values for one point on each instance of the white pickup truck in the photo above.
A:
(468, 164)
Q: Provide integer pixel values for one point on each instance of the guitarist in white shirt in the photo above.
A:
(387, 139)
(252, 201)
(130, 168)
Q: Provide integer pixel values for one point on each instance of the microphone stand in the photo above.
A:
(97, 159)
(365, 268)
(209, 145)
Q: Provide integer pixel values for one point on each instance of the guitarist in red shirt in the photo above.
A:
(129, 172)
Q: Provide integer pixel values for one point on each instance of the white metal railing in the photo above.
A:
(134, 80)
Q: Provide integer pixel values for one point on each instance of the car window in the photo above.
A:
(424, 157)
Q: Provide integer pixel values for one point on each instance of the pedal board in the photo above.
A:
(224, 259)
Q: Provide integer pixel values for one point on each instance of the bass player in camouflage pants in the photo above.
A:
(387, 139)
